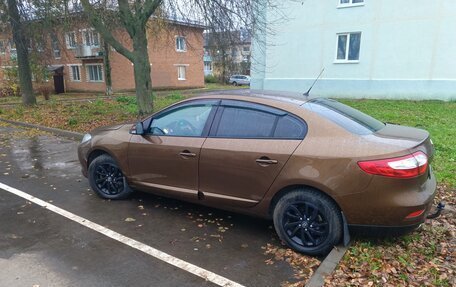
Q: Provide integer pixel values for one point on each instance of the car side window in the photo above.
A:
(245, 123)
(187, 121)
(243, 120)
(289, 127)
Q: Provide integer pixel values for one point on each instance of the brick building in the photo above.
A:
(75, 58)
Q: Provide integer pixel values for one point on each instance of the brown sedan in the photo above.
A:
(315, 167)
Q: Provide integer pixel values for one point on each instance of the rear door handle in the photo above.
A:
(187, 153)
(266, 161)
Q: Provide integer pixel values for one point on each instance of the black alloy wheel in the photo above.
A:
(109, 179)
(308, 221)
(106, 178)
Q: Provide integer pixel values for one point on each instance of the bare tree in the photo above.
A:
(134, 17)
(16, 20)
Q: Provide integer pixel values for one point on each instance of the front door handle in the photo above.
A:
(266, 161)
(187, 154)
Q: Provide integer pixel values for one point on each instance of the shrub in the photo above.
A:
(10, 90)
(45, 91)
(210, 79)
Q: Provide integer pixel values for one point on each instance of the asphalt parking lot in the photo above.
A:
(39, 247)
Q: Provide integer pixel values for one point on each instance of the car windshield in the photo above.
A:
(347, 117)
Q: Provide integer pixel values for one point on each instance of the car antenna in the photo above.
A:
(306, 94)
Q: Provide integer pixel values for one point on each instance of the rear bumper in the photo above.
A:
(389, 202)
(381, 231)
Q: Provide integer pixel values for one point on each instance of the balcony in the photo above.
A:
(88, 52)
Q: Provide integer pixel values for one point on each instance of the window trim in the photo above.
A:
(350, 4)
(185, 44)
(71, 74)
(347, 48)
(179, 74)
(92, 32)
(88, 74)
(67, 40)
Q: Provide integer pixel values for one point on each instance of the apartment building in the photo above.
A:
(75, 58)
(369, 49)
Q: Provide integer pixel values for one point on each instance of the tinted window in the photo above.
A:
(290, 128)
(245, 123)
(349, 118)
(185, 121)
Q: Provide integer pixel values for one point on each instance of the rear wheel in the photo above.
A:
(106, 178)
(235, 84)
(308, 221)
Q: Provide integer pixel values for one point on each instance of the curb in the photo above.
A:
(58, 132)
(327, 267)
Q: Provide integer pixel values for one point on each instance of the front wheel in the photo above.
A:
(308, 221)
(106, 178)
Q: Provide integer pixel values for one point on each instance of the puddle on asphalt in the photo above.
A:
(40, 155)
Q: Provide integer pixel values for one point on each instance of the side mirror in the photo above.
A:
(138, 129)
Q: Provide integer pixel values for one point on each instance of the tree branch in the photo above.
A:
(149, 8)
(106, 34)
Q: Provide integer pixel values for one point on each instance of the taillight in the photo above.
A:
(409, 166)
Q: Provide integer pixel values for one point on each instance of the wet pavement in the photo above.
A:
(41, 248)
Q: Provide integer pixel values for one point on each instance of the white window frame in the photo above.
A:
(179, 69)
(57, 45)
(91, 34)
(347, 49)
(68, 42)
(349, 4)
(184, 41)
(208, 64)
(88, 73)
(71, 73)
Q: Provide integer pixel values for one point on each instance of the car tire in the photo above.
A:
(235, 84)
(308, 221)
(107, 179)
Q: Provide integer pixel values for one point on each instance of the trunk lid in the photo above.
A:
(403, 137)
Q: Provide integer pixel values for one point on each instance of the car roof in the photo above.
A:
(296, 101)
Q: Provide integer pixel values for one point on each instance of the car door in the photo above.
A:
(247, 147)
(166, 158)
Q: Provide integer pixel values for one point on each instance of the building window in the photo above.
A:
(181, 71)
(350, 3)
(91, 38)
(94, 73)
(55, 46)
(348, 46)
(208, 66)
(75, 73)
(70, 39)
(2, 46)
(180, 44)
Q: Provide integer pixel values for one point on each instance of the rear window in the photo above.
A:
(347, 117)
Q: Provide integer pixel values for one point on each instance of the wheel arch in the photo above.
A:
(293, 187)
(98, 151)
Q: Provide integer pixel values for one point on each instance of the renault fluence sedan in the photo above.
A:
(315, 167)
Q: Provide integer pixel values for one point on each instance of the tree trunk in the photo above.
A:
(142, 71)
(24, 71)
(107, 68)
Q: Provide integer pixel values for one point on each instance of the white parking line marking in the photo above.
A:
(198, 271)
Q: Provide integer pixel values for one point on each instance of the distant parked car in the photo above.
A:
(315, 166)
(239, 80)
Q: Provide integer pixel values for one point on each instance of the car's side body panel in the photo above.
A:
(161, 162)
(229, 167)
